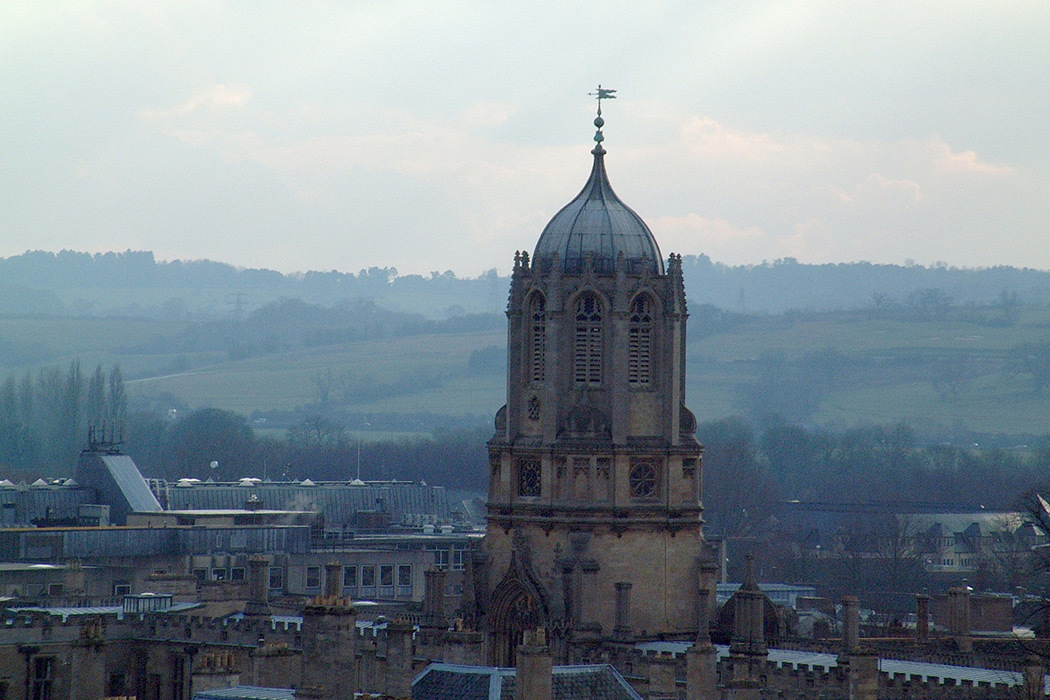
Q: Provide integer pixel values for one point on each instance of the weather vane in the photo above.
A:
(601, 94)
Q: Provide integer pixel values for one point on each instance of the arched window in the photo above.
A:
(587, 355)
(640, 342)
(529, 473)
(538, 338)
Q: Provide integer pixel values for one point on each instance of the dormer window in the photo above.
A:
(587, 356)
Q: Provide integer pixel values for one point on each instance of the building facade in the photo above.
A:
(594, 527)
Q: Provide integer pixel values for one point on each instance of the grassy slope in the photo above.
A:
(286, 380)
(721, 367)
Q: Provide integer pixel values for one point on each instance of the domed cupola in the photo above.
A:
(597, 225)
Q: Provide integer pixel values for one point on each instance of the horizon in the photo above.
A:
(938, 264)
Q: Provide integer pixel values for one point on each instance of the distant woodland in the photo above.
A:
(69, 282)
(833, 382)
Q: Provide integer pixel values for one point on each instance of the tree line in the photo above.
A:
(747, 472)
(44, 421)
(44, 416)
(768, 287)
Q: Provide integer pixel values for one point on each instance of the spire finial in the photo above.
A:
(601, 94)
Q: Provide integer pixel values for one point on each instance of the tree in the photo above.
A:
(1007, 304)
(930, 303)
(951, 375)
(96, 398)
(118, 398)
(1032, 359)
(211, 435)
(738, 494)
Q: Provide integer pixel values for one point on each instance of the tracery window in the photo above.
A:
(529, 477)
(639, 342)
(538, 338)
(643, 480)
(587, 355)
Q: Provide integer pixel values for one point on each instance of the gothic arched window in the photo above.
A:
(587, 352)
(640, 341)
(538, 338)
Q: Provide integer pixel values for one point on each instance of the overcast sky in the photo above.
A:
(440, 135)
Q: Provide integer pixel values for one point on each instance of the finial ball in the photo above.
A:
(599, 122)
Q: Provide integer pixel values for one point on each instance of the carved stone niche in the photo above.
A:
(586, 422)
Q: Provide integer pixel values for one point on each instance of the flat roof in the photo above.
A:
(229, 511)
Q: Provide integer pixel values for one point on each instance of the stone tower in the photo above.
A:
(594, 527)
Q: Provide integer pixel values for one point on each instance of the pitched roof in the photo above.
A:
(454, 682)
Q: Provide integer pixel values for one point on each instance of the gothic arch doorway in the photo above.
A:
(515, 611)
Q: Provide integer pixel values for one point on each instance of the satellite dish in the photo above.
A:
(214, 464)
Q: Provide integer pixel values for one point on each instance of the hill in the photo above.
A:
(405, 353)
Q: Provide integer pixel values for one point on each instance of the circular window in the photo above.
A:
(643, 480)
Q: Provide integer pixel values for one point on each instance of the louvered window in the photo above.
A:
(587, 357)
(538, 338)
(640, 339)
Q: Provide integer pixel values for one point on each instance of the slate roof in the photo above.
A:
(454, 682)
(245, 692)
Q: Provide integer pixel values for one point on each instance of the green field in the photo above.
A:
(889, 377)
(288, 380)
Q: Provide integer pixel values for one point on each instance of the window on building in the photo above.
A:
(587, 355)
(313, 577)
(440, 556)
(219, 574)
(386, 575)
(116, 684)
(529, 471)
(404, 575)
(538, 338)
(121, 588)
(639, 335)
(368, 576)
(458, 553)
(349, 577)
(43, 677)
(643, 480)
(276, 578)
(237, 573)
(178, 676)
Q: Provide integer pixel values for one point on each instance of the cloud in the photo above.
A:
(693, 233)
(482, 114)
(707, 138)
(964, 162)
(215, 97)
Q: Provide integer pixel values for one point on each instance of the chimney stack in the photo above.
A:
(535, 677)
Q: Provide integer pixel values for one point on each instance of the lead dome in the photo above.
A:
(597, 225)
